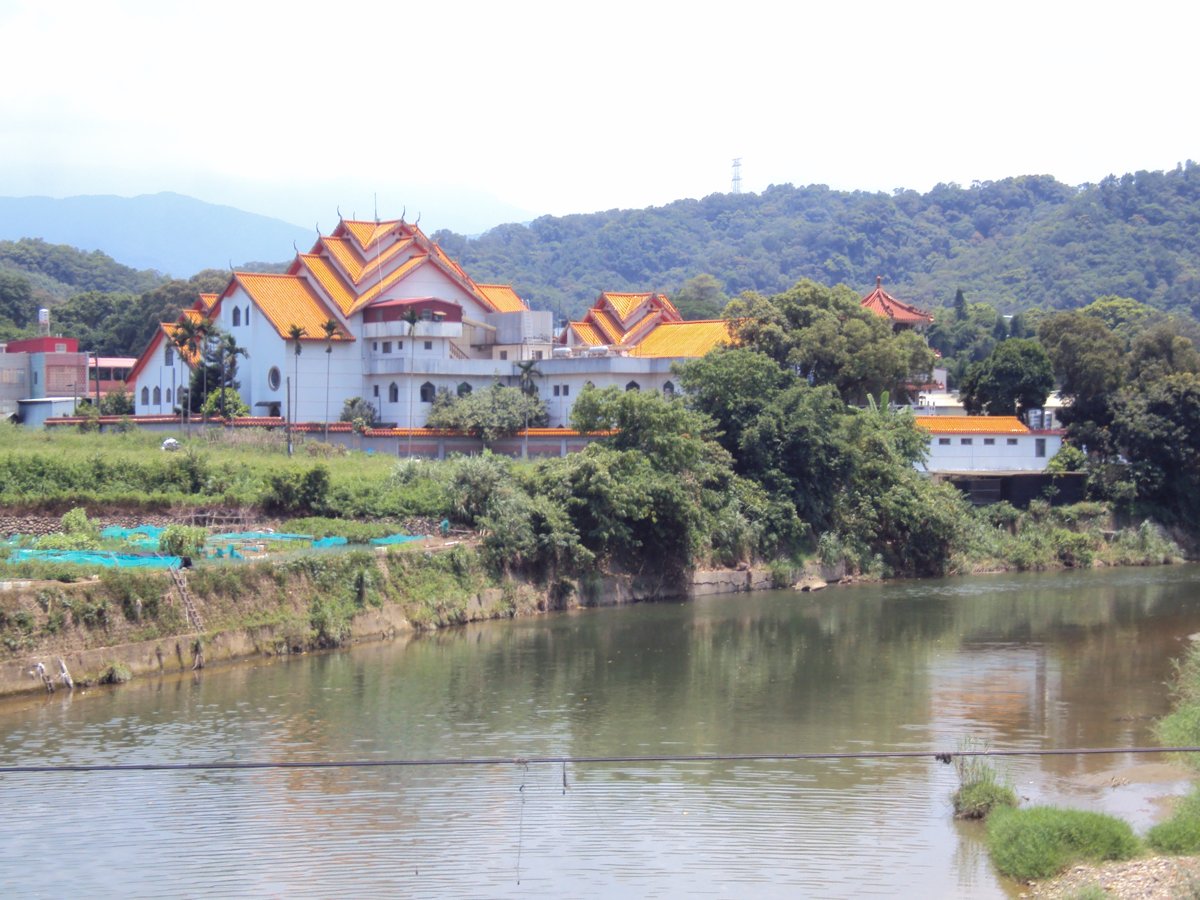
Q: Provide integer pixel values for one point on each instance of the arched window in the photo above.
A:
(428, 392)
(464, 389)
(669, 389)
(157, 397)
(168, 396)
(237, 316)
(168, 355)
(247, 313)
(633, 386)
(145, 396)
(393, 393)
(274, 378)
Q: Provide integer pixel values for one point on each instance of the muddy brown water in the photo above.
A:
(1012, 662)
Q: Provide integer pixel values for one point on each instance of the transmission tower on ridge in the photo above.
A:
(737, 175)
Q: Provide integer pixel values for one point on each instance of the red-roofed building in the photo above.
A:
(901, 314)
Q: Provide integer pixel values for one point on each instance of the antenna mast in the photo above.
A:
(737, 175)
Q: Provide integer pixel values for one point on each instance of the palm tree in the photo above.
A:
(185, 338)
(295, 332)
(330, 327)
(206, 330)
(526, 380)
(228, 351)
(412, 317)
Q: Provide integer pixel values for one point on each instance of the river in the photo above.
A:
(1070, 659)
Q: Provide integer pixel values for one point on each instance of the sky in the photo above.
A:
(471, 114)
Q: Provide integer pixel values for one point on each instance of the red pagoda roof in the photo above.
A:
(884, 304)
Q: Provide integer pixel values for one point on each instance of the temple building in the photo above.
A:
(901, 314)
(378, 310)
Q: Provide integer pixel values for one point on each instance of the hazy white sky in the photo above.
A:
(476, 113)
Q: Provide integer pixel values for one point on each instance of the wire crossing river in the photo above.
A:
(1031, 662)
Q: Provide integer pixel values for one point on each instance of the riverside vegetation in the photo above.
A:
(1041, 842)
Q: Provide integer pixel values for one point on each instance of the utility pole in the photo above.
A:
(737, 175)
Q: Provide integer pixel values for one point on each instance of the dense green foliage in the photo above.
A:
(56, 271)
(495, 412)
(1179, 834)
(1041, 841)
(1020, 243)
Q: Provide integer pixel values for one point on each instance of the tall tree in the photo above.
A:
(1089, 362)
(1016, 378)
(330, 327)
(295, 333)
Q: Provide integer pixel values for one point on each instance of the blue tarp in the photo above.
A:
(96, 558)
(124, 534)
(332, 541)
(394, 539)
(259, 536)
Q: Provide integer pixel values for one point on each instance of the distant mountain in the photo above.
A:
(170, 233)
(1019, 243)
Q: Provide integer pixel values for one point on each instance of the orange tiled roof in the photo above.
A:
(330, 279)
(683, 338)
(607, 325)
(188, 353)
(502, 297)
(288, 300)
(367, 233)
(587, 333)
(972, 424)
(346, 254)
(208, 301)
(625, 304)
(402, 271)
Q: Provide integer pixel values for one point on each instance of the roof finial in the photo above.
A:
(339, 211)
(878, 281)
(402, 212)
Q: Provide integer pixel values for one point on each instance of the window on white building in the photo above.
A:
(237, 317)
(168, 396)
(669, 389)
(428, 391)
(374, 390)
(557, 391)
(387, 346)
(504, 354)
(429, 345)
(273, 378)
(393, 393)
(987, 442)
(1012, 442)
(966, 441)
(168, 355)
(566, 390)
(537, 354)
(464, 389)
(944, 442)
(157, 397)
(1039, 448)
(633, 386)
(145, 396)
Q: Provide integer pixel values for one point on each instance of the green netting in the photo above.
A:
(259, 536)
(333, 540)
(116, 532)
(96, 558)
(394, 539)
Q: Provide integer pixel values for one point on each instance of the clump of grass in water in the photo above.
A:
(1042, 841)
(980, 788)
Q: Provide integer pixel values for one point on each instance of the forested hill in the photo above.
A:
(1018, 243)
(57, 271)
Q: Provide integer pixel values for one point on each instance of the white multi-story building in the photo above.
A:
(377, 310)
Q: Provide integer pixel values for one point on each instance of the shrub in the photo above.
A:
(1042, 841)
(182, 540)
(115, 673)
(980, 789)
(1180, 833)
